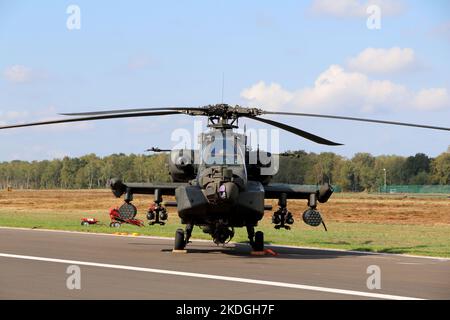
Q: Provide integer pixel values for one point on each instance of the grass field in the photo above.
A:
(379, 223)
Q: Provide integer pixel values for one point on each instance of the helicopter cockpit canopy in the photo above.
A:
(223, 148)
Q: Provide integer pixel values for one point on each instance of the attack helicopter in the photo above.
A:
(223, 185)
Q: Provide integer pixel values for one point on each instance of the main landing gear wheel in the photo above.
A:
(180, 243)
(114, 224)
(258, 245)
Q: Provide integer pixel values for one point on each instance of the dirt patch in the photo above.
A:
(351, 208)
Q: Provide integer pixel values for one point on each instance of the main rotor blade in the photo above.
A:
(97, 113)
(357, 119)
(298, 132)
(112, 116)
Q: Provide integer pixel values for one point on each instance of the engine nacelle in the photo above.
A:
(182, 166)
(117, 187)
(255, 160)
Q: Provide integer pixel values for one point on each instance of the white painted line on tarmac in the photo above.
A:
(213, 277)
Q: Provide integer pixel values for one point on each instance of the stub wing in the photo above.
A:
(296, 191)
(119, 188)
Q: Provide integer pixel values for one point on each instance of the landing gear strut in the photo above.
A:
(256, 239)
(189, 228)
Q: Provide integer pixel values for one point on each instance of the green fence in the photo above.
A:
(314, 187)
(415, 189)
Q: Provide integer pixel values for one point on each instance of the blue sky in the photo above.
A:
(306, 56)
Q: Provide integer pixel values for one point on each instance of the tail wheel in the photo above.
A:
(259, 241)
(180, 243)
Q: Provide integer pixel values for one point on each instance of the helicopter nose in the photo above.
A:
(229, 192)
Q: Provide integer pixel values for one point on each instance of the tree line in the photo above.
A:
(87, 172)
(362, 172)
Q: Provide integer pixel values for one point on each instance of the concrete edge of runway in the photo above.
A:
(202, 240)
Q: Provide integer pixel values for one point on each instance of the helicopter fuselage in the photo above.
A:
(221, 195)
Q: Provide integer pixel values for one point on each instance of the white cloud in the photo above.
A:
(355, 8)
(432, 99)
(336, 89)
(18, 74)
(271, 96)
(372, 60)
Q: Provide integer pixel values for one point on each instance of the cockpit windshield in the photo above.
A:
(222, 149)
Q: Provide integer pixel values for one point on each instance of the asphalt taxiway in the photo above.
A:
(34, 265)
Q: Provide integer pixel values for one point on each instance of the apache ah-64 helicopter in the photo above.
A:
(223, 185)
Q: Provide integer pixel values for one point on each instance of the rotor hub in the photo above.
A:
(225, 116)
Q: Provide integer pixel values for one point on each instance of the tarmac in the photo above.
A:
(36, 264)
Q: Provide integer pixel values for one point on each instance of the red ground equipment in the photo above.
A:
(88, 221)
(125, 214)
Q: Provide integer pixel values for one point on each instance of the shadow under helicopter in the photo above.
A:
(243, 250)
